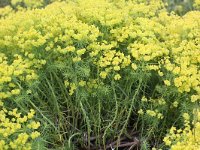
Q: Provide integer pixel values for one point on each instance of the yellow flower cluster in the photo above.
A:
(197, 4)
(186, 56)
(187, 138)
(18, 70)
(5, 11)
(152, 112)
(87, 85)
(113, 61)
(21, 69)
(13, 129)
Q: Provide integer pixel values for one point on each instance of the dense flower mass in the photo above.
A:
(16, 129)
(187, 138)
(134, 55)
(197, 4)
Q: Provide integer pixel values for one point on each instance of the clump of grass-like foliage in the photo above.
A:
(101, 74)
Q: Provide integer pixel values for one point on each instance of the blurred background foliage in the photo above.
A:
(178, 6)
(4, 3)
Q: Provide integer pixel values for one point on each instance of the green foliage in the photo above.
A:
(180, 6)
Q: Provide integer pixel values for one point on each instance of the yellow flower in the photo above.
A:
(167, 82)
(103, 74)
(134, 66)
(167, 141)
(172, 130)
(144, 99)
(15, 92)
(76, 59)
(35, 134)
(175, 104)
(160, 116)
(1, 103)
(194, 98)
(140, 112)
(82, 83)
(31, 56)
(33, 125)
(117, 77)
(186, 116)
(81, 52)
(116, 68)
(72, 88)
(160, 73)
(151, 113)
(28, 91)
(31, 114)
(66, 82)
